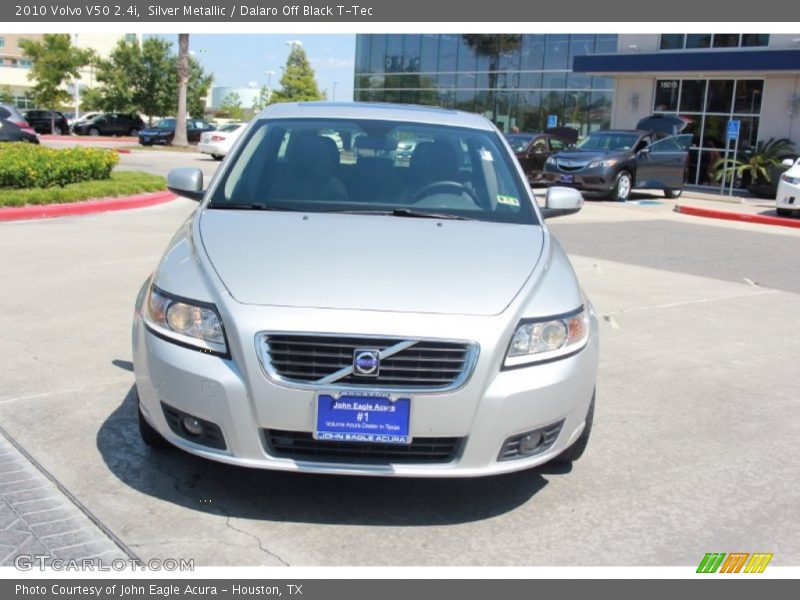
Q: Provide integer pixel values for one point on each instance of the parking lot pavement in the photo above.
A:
(37, 518)
(695, 446)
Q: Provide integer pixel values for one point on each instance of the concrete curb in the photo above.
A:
(735, 216)
(87, 207)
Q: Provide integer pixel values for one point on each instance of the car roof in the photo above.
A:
(378, 111)
(620, 131)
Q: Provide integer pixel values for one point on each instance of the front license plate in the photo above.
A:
(567, 179)
(363, 418)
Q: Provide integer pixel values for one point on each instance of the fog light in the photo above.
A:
(529, 443)
(192, 425)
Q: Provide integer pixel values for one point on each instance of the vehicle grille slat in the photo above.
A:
(302, 446)
(308, 358)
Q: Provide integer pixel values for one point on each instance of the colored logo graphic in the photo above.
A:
(734, 562)
(366, 362)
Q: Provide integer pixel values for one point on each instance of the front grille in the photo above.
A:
(309, 359)
(302, 446)
(569, 166)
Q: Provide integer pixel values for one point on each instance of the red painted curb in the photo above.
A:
(733, 216)
(46, 211)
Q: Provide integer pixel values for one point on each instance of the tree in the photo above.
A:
(6, 95)
(263, 99)
(120, 76)
(231, 106)
(493, 46)
(54, 62)
(92, 99)
(183, 83)
(155, 91)
(297, 83)
(197, 89)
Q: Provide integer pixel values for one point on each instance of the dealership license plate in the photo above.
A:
(354, 417)
(567, 179)
(145, 139)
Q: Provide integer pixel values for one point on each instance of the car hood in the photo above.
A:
(367, 262)
(588, 155)
(154, 131)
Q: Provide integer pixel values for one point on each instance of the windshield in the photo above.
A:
(229, 127)
(518, 143)
(341, 165)
(609, 141)
(165, 124)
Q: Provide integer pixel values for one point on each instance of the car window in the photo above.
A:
(669, 144)
(609, 141)
(165, 124)
(556, 144)
(519, 142)
(297, 165)
(229, 127)
(4, 114)
(539, 145)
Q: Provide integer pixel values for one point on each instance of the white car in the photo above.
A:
(787, 201)
(217, 143)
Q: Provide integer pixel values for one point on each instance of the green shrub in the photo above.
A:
(30, 166)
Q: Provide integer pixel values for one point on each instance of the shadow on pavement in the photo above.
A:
(216, 488)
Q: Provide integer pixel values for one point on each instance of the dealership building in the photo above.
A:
(595, 81)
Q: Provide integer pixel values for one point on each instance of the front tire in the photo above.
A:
(217, 156)
(133, 132)
(94, 131)
(622, 187)
(673, 193)
(577, 449)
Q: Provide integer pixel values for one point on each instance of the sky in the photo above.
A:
(238, 59)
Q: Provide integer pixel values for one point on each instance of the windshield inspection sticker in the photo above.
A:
(508, 200)
(486, 155)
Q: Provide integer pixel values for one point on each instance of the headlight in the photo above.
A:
(602, 163)
(792, 180)
(551, 160)
(537, 340)
(188, 322)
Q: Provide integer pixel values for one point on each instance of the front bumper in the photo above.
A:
(590, 180)
(240, 398)
(788, 196)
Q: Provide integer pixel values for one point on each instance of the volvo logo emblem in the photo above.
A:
(366, 362)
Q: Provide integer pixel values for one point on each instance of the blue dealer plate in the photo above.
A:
(362, 418)
(567, 179)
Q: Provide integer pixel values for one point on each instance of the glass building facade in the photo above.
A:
(516, 80)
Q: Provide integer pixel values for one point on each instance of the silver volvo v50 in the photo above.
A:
(336, 306)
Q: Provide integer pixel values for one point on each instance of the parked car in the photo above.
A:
(9, 112)
(11, 132)
(533, 149)
(370, 318)
(614, 162)
(787, 200)
(163, 132)
(218, 142)
(47, 121)
(109, 124)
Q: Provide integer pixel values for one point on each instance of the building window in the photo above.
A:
(130, 38)
(708, 105)
(514, 80)
(693, 41)
(2, 42)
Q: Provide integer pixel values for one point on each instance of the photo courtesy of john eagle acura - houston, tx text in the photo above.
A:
(335, 306)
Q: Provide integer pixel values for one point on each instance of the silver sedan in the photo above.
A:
(330, 308)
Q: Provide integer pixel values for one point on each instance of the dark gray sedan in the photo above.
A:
(614, 162)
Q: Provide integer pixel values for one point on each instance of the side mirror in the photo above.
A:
(788, 162)
(561, 201)
(187, 182)
(644, 151)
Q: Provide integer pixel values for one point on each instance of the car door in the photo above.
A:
(535, 155)
(666, 162)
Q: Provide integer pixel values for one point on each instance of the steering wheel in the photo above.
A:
(444, 186)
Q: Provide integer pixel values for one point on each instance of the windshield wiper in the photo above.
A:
(404, 212)
(248, 206)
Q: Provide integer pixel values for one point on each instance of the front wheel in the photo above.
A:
(673, 193)
(577, 449)
(149, 435)
(133, 132)
(94, 132)
(622, 187)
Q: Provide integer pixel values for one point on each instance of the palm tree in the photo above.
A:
(757, 163)
(183, 79)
